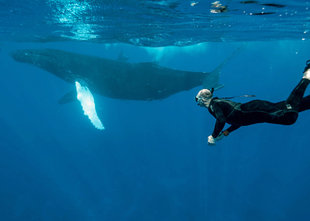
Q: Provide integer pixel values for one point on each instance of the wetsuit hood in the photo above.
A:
(204, 96)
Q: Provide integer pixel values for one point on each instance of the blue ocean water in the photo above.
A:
(152, 162)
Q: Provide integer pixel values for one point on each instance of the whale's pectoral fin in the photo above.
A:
(68, 97)
(88, 104)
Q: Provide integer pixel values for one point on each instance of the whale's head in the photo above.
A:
(50, 60)
(34, 56)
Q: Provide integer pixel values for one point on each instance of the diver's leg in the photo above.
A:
(307, 70)
(305, 104)
(295, 98)
(267, 115)
(297, 94)
(259, 111)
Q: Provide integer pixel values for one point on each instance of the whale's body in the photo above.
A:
(117, 79)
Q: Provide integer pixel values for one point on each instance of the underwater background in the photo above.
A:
(152, 161)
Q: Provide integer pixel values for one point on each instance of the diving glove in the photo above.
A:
(212, 140)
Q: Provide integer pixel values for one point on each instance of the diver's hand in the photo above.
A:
(212, 140)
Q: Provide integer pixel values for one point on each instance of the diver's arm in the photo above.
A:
(219, 125)
(216, 135)
(220, 119)
(230, 129)
(218, 112)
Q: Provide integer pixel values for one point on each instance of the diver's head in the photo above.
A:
(204, 96)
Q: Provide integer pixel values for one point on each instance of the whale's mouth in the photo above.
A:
(19, 55)
(27, 55)
(30, 55)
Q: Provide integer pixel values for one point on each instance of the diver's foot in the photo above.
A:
(307, 70)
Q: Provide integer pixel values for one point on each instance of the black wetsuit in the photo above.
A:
(259, 111)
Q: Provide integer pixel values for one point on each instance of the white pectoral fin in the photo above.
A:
(88, 104)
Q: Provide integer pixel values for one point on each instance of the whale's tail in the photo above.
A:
(212, 79)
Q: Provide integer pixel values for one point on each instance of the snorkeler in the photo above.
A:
(256, 111)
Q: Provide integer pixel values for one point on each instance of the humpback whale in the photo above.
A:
(116, 78)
